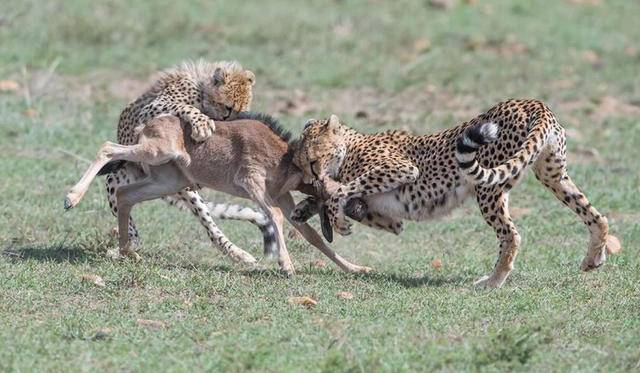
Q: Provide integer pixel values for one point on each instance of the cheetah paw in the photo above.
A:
(340, 223)
(121, 254)
(131, 254)
(113, 254)
(335, 211)
(243, 257)
(303, 211)
(492, 281)
(202, 130)
(594, 259)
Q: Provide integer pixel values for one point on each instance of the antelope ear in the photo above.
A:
(218, 77)
(334, 122)
(250, 76)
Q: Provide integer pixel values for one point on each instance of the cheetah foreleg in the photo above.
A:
(201, 125)
(305, 210)
(383, 178)
(379, 221)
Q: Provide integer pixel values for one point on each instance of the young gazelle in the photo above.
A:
(246, 158)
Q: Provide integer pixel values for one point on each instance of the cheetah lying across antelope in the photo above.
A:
(400, 176)
(199, 93)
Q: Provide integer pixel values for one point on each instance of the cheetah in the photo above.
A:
(401, 176)
(194, 92)
(198, 93)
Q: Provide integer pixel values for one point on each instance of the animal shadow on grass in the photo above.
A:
(225, 266)
(57, 253)
(258, 272)
(263, 271)
(409, 281)
(405, 280)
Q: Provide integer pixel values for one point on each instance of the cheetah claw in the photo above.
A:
(201, 132)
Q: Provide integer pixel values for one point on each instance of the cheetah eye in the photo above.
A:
(228, 112)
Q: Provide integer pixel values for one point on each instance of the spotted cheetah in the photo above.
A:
(401, 176)
(199, 93)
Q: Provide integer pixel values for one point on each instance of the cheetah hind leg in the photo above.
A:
(551, 171)
(358, 211)
(123, 176)
(494, 206)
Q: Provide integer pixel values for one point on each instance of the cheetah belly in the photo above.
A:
(399, 204)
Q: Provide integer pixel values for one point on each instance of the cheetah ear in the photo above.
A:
(218, 77)
(250, 76)
(334, 122)
(308, 123)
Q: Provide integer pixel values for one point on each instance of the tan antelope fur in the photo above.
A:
(245, 158)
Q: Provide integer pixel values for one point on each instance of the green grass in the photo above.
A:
(401, 64)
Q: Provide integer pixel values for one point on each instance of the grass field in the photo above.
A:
(69, 67)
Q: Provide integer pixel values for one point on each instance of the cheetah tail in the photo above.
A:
(236, 212)
(481, 134)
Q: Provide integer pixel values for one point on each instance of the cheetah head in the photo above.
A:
(321, 149)
(229, 92)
